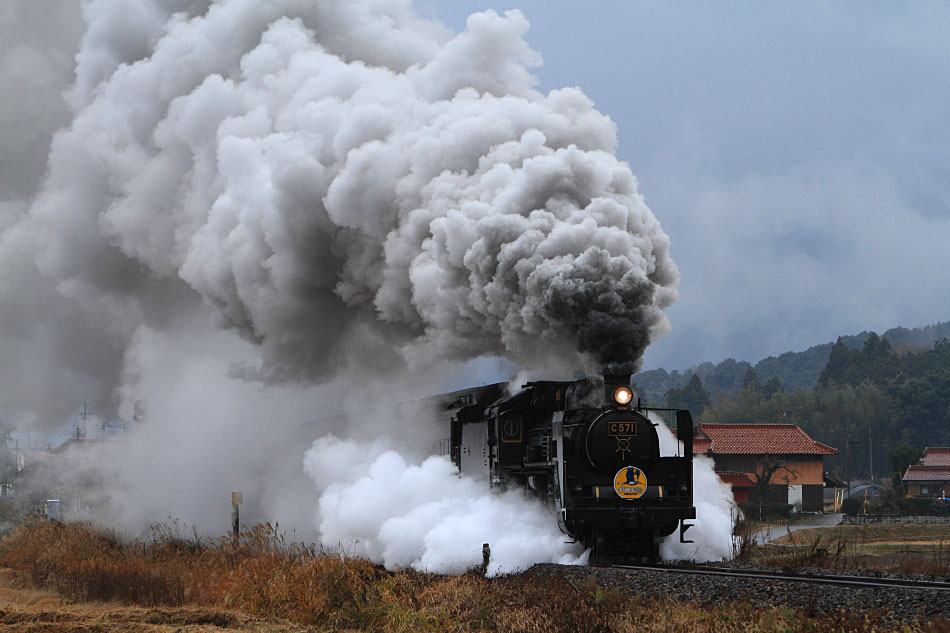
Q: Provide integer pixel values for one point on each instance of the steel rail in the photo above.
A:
(863, 582)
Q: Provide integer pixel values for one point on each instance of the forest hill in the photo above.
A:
(888, 402)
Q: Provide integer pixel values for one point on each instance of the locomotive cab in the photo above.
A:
(588, 449)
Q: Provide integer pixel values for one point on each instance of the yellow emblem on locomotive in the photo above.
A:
(630, 482)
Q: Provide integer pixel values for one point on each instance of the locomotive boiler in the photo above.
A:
(588, 448)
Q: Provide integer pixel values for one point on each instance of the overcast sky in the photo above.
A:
(797, 154)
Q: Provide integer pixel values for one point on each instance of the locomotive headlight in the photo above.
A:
(623, 395)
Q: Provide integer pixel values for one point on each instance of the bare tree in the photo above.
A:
(764, 473)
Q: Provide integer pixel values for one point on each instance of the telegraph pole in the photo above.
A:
(847, 448)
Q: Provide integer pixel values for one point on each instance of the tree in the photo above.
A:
(749, 396)
(691, 396)
(751, 381)
(876, 348)
(724, 377)
(772, 387)
(767, 469)
(922, 406)
(899, 459)
(842, 365)
(762, 477)
(880, 364)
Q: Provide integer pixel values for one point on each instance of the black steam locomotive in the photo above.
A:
(588, 449)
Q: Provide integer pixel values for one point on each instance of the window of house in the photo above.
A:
(925, 490)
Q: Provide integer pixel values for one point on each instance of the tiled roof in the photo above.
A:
(936, 456)
(700, 446)
(920, 472)
(736, 480)
(758, 439)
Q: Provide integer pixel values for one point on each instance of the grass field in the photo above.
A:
(923, 549)
(76, 577)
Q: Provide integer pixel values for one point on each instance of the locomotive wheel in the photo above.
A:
(598, 547)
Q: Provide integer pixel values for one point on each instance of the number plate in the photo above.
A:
(621, 429)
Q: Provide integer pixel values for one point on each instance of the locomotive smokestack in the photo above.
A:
(613, 381)
(618, 379)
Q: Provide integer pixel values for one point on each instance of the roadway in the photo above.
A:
(769, 534)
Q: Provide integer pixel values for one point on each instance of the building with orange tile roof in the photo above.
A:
(751, 450)
(931, 477)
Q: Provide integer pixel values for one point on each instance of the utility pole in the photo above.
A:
(870, 455)
(84, 415)
(847, 448)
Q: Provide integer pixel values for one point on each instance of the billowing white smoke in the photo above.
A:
(715, 511)
(425, 516)
(350, 188)
(334, 177)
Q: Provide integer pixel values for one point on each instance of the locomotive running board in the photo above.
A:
(683, 527)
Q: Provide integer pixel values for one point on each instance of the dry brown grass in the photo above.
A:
(916, 549)
(260, 575)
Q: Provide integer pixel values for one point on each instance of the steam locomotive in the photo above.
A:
(588, 449)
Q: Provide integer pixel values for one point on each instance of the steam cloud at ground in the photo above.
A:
(352, 190)
(423, 516)
(715, 511)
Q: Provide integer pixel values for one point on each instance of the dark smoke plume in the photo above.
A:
(345, 184)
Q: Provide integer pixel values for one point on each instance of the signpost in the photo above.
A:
(237, 498)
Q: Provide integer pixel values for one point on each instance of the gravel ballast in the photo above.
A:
(898, 603)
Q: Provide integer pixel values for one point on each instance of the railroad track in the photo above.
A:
(859, 582)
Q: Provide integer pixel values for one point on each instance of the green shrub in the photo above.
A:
(853, 506)
(914, 506)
